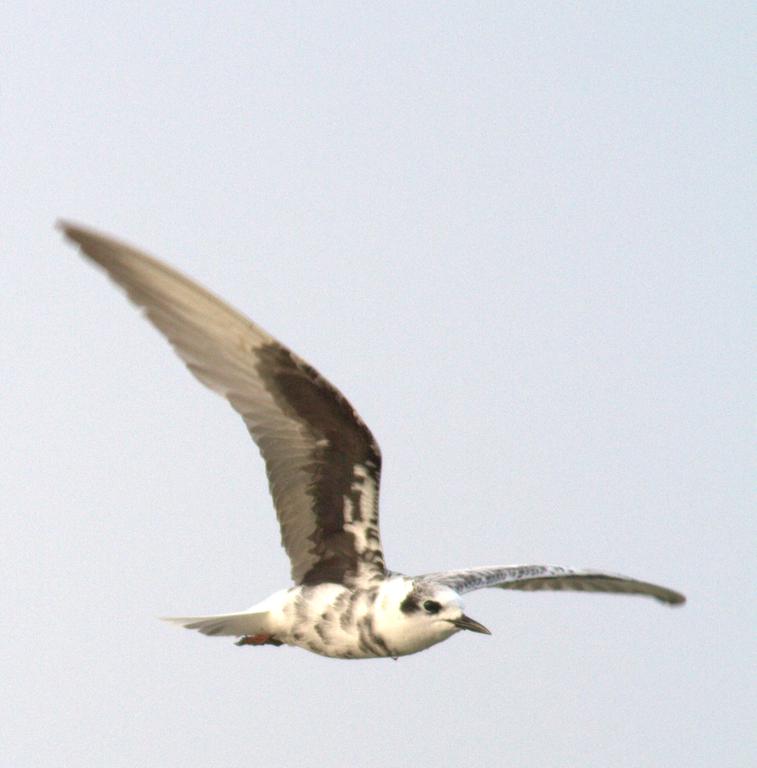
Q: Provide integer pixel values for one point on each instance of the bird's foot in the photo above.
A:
(258, 640)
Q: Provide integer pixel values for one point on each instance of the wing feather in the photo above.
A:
(322, 462)
(532, 578)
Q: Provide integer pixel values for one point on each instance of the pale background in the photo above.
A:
(519, 236)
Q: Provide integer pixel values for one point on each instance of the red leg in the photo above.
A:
(257, 640)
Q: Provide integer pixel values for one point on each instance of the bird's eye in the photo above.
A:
(431, 606)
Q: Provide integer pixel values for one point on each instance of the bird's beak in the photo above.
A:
(466, 622)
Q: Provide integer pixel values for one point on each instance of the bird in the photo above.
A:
(324, 469)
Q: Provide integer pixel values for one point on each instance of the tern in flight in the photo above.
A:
(323, 467)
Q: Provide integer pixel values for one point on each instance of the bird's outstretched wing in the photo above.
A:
(531, 578)
(323, 464)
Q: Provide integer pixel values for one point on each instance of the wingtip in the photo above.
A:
(73, 230)
(63, 225)
(175, 620)
(70, 230)
(668, 597)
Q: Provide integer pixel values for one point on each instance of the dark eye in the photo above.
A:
(432, 606)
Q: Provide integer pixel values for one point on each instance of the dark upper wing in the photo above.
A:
(530, 578)
(322, 461)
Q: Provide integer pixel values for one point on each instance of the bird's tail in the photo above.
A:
(237, 624)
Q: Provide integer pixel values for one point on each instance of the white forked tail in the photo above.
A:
(237, 624)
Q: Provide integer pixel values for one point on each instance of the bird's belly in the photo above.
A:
(333, 621)
(338, 643)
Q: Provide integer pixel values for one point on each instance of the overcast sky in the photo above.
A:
(519, 237)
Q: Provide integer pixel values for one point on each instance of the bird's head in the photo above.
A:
(426, 613)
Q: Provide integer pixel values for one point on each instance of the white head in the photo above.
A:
(420, 614)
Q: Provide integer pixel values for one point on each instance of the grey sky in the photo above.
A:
(519, 237)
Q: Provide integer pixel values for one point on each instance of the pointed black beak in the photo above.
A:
(466, 622)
